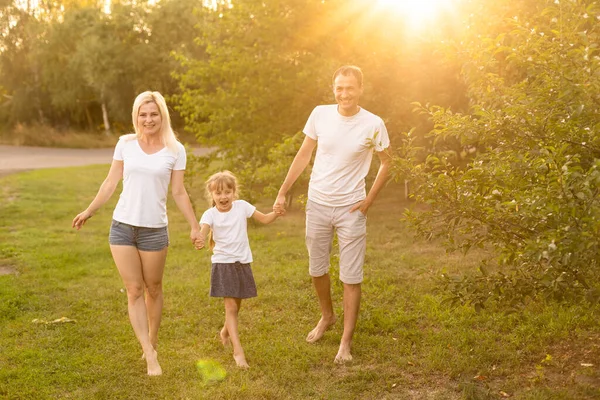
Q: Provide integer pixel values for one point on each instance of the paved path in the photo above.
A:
(22, 158)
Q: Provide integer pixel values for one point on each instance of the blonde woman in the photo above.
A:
(147, 161)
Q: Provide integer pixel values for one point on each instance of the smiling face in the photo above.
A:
(223, 196)
(149, 120)
(347, 91)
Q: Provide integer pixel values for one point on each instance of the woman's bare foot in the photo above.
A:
(224, 335)
(318, 332)
(240, 360)
(154, 368)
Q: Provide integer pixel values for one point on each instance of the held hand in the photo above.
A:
(199, 243)
(195, 235)
(81, 219)
(279, 205)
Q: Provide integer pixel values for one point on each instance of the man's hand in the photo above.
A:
(279, 205)
(361, 206)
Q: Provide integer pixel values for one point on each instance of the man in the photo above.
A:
(345, 136)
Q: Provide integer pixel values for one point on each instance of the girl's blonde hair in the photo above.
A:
(166, 132)
(220, 180)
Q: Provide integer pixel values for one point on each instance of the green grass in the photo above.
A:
(407, 344)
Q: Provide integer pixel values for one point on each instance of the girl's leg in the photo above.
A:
(232, 307)
(129, 265)
(153, 265)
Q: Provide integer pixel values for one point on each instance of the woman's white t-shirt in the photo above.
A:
(344, 153)
(146, 177)
(230, 232)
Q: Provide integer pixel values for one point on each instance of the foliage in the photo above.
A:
(526, 180)
(406, 345)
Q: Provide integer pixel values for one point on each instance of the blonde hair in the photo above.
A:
(166, 132)
(220, 180)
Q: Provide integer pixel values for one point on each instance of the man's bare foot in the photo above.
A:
(224, 335)
(320, 329)
(154, 368)
(343, 355)
(240, 360)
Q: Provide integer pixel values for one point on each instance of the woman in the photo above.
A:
(146, 161)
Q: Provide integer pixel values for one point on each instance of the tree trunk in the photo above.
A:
(105, 118)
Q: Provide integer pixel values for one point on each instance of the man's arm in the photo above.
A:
(380, 180)
(296, 168)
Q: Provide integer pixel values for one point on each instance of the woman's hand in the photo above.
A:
(80, 219)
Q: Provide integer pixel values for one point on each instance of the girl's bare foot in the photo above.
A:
(319, 331)
(224, 335)
(154, 368)
(240, 360)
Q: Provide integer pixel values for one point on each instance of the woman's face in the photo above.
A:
(149, 119)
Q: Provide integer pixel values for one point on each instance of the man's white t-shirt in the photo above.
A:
(230, 232)
(146, 177)
(344, 153)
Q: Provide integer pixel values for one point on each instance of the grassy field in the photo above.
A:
(407, 344)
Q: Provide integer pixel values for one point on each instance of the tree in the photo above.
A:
(528, 182)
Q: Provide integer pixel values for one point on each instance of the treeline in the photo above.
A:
(70, 64)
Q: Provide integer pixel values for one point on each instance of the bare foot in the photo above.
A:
(343, 355)
(224, 335)
(320, 329)
(240, 360)
(154, 368)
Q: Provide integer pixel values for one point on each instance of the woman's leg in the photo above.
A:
(232, 307)
(153, 266)
(129, 264)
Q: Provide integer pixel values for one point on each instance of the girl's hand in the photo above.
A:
(195, 235)
(199, 243)
(81, 219)
(279, 205)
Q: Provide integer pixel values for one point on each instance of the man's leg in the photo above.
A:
(352, 293)
(352, 239)
(323, 288)
(319, 235)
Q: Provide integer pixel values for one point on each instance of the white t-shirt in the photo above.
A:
(146, 177)
(230, 232)
(344, 153)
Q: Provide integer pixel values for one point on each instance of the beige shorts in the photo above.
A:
(351, 228)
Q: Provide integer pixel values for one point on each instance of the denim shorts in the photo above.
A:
(145, 239)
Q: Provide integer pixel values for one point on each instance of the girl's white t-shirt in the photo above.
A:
(230, 232)
(345, 148)
(146, 177)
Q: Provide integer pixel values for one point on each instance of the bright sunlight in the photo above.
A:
(417, 12)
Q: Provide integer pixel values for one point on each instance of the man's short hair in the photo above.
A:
(349, 70)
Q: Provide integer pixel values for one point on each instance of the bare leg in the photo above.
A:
(129, 264)
(153, 265)
(352, 294)
(323, 287)
(232, 307)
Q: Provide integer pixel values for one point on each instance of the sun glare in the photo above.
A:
(417, 12)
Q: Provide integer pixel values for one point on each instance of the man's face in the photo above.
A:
(347, 92)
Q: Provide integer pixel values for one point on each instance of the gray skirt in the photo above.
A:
(232, 280)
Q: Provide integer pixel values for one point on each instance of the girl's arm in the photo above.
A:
(201, 239)
(115, 174)
(264, 218)
(182, 199)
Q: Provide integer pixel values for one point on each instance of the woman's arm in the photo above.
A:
(115, 174)
(182, 199)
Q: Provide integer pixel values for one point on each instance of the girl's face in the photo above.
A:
(223, 197)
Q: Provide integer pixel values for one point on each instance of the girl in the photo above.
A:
(231, 275)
